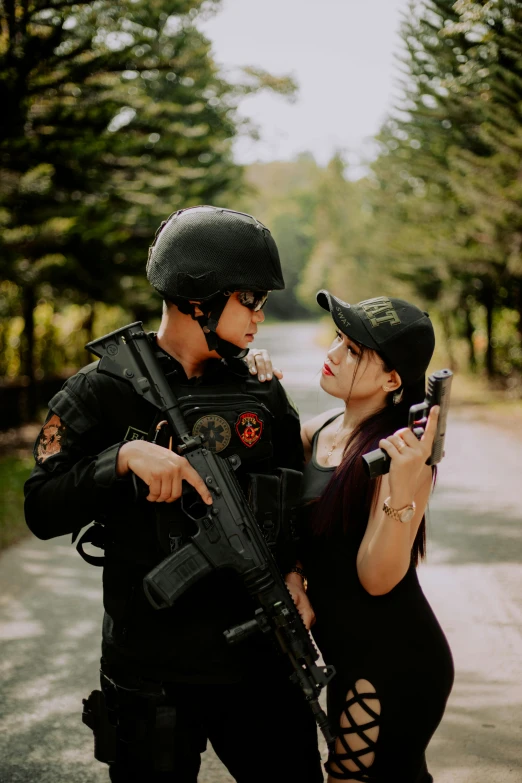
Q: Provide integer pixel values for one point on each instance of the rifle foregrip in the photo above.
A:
(174, 575)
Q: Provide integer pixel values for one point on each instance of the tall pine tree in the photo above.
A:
(461, 98)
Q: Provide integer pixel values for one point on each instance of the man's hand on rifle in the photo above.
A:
(161, 469)
(295, 585)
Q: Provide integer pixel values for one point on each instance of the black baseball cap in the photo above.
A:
(400, 332)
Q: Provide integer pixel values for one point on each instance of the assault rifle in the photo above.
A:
(227, 536)
(377, 462)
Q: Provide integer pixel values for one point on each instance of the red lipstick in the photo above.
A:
(326, 370)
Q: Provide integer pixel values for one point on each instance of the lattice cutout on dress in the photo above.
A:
(363, 772)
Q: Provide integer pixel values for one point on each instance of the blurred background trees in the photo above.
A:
(450, 159)
(115, 115)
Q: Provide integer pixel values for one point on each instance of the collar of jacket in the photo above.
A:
(213, 367)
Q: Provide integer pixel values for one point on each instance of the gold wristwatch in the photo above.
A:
(404, 514)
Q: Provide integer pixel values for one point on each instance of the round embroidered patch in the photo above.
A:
(249, 427)
(214, 430)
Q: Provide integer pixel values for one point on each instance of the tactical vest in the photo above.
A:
(231, 420)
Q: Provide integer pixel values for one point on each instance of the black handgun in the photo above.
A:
(227, 536)
(377, 462)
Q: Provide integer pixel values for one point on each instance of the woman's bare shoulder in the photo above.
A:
(311, 426)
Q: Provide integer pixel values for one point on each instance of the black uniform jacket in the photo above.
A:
(74, 482)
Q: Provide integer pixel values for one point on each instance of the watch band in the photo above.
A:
(404, 514)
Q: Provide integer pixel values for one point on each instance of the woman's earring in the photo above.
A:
(397, 396)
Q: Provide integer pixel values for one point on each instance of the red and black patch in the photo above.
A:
(249, 427)
(51, 439)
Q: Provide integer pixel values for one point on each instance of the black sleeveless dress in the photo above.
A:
(394, 641)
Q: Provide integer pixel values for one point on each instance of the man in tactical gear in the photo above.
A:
(170, 681)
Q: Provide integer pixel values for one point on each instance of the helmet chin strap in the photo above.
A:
(209, 323)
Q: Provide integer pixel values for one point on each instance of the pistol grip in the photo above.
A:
(376, 463)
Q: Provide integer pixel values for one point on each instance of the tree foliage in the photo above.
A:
(439, 215)
(114, 116)
(450, 164)
(282, 194)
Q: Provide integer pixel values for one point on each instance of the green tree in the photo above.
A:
(487, 183)
(442, 157)
(115, 115)
(283, 195)
(343, 257)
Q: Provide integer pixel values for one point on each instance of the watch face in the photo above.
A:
(407, 514)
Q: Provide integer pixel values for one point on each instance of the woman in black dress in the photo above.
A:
(364, 539)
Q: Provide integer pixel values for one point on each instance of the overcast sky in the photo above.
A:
(341, 52)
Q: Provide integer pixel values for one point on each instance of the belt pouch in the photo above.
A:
(96, 716)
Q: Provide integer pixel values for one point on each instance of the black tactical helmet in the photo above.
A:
(202, 251)
(203, 254)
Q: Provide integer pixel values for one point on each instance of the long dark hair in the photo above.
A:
(349, 496)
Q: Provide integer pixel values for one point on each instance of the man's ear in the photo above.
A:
(393, 381)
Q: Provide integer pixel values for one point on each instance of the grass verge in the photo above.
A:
(14, 470)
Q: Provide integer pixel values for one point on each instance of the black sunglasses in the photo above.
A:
(254, 300)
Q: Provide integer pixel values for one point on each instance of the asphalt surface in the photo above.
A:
(50, 613)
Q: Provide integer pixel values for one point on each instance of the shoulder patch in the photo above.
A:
(51, 439)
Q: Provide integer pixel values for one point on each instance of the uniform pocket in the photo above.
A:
(70, 410)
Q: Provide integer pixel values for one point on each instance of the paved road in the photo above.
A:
(50, 614)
